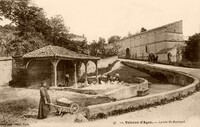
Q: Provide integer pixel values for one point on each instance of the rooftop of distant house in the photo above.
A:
(74, 36)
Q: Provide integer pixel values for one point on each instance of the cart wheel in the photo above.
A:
(74, 108)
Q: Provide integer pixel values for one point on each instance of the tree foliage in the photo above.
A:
(192, 50)
(113, 39)
(25, 16)
(97, 48)
(58, 30)
(32, 29)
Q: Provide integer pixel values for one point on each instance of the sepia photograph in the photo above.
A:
(100, 63)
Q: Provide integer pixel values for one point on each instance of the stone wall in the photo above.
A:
(190, 84)
(42, 70)
(38, 71)
(132, 104)
(128, 90)
(151, 41)
(123, 92)
(170, 76)
(5, 70)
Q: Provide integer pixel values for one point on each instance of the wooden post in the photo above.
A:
(55, 63)
(75, 75)
(96, 62)
(86, 81)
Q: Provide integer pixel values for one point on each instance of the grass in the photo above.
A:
(16, 107)
(128, 74)
(20, 105)
(188, 64)
(13, 111)
(143, 73)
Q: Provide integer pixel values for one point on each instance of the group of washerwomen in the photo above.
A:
(110, 79)
(152, 58)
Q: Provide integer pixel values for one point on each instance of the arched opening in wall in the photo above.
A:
(87, 72)
(38, 71)
(65, 73)
(169, 55)
(128, 54)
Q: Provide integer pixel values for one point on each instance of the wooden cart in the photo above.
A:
(65, 105)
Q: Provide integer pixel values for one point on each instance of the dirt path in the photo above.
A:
(116, 66)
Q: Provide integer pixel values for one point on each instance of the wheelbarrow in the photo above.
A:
(65, 105)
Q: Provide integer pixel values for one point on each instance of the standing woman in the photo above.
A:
(44, 108)
(66, 79)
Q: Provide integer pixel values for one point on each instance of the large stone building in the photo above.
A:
(161, 41)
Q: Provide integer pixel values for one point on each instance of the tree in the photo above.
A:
(113, 51)
(97, 48)
(143, 30)
(113, 39)
(192, 49)
(93, 47)
(20, 46)
(28, 23)
(100, 45)
(23, 14)
(58, 30)
(32, 29)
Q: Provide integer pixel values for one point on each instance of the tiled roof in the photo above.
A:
(164, 51)
(157, 28)
(57, 51)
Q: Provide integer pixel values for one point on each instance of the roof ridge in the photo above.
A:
(159, 27)
(50, 47)
(57, 51)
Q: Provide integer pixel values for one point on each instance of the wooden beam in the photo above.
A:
(55, 63)
(96, 62)
(86, 78)
(75, 75)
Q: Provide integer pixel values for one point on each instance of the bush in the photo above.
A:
(19, 77)
(189, 64)
(192, 50)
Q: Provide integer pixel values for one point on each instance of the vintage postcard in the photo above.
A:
(99, 63)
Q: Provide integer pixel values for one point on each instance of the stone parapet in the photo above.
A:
(190, 84)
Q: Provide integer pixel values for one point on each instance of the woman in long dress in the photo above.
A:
(44, 108)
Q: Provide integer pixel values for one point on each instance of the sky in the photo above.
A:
(104, 18)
